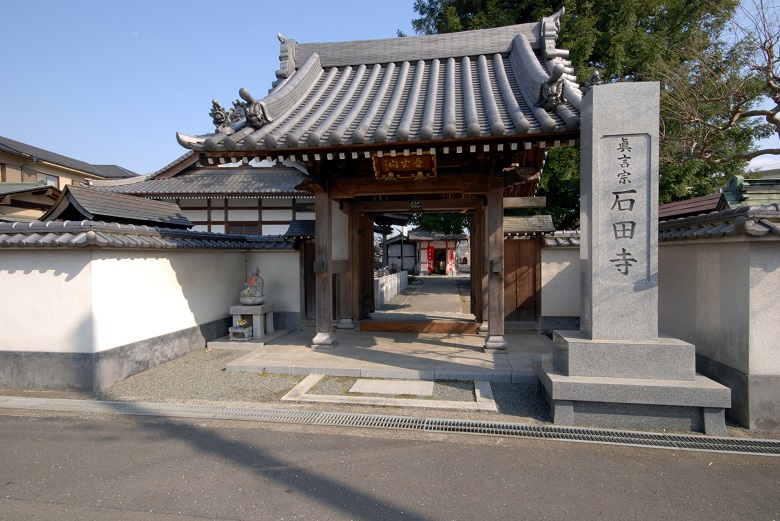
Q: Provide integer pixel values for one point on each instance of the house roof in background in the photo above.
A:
(78, 204)
(81, 234)
(695, 206)
(23, 188)
(18, 148)
(243, 181)
(750, 192)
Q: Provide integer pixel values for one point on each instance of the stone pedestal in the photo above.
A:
(262, 319)
(617, 371)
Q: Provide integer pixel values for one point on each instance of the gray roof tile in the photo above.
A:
(405, 90)
(81, 234)
(519, 225)
(22, 149)
(79, 203)
(748, 221)
(241, 181)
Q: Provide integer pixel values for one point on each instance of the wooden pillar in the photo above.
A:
(348, 278)
(478, 274)
(495, 240)
(323, 270)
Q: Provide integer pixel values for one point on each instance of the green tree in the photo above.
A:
(646, 40)
(447, 223)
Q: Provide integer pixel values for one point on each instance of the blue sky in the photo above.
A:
(110, 82)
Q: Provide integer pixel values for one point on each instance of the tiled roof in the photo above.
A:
(473, 84)
(750, 192)
(22, 149)
(695, 206)
(561, 240)
(751, 221)
(20, 188)
(521, 225)
(79, 203)
(422, 235)
(72, 234)
(115, 171)
(300, 229)
(229, 182)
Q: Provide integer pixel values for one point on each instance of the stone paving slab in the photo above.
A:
(484, 398)
(398, 356)
(394, 387)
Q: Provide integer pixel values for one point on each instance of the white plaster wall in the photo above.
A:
(277, 215)
(340, 231)
(765, 308)
(281, 272)
(243, 215)
(45, 298)
(138, 295)
(703, 298)
(275, 229)
(560, 282)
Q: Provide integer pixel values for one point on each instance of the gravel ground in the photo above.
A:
(200, 377)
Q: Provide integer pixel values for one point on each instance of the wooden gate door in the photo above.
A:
(521, 264)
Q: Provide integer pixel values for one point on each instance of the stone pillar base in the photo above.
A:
(638, 403)
(495, 343)
(345, 323)
(324, 341)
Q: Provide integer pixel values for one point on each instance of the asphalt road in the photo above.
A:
(65, 466)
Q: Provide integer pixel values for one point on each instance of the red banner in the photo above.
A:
(430, 259)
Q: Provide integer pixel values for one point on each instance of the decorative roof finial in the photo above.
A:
(286, 59)
(551, 91)
(595, 79)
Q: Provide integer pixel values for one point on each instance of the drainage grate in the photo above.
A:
(371, 420)
(484, 428)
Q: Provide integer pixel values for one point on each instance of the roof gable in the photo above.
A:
(77, 204)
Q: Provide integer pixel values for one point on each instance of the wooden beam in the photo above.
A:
(525, 202)
(350, 187)
(411, 205)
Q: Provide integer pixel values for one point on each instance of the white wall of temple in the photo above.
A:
(560, 282)
(138, 295)
(764, 308)
(91, 300)
(46, 299)
(704, 298)
(281, 273)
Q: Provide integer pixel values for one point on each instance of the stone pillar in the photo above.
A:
(323, 270)
(495, 232)
(617, 370)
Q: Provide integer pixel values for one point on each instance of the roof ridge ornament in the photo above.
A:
(227, 122)
(595, 79)
(287, 63)
(551, 91)
(551, 26)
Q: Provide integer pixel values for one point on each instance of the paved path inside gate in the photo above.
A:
(409, 355)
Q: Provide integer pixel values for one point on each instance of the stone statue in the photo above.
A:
(551, 91)
(252, 294)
